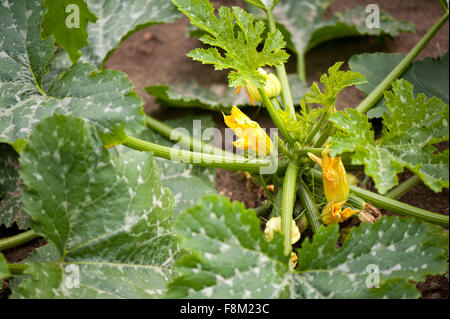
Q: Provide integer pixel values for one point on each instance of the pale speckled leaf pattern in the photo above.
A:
(187, 182)
(402, 249)
(231, 258)
(110, 218)
(105, 98)
(11, 208)
(216, 98)
(118, 19)
(304, 26)
(408, 137)
(429, 76)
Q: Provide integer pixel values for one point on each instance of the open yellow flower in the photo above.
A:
(251, 136)
(272, 87)
(336, 187)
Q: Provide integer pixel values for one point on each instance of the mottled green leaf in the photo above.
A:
(187, 182)
(239, 40)
(304, 26)
(67, 21)
(11, 208)
(410, 131)
(216, 98)
(429, 76)
(109, 220)
(231, 258)
(105, 98)
(400, 249)
(118, 19)
(334, 82)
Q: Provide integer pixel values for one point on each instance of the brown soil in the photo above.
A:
(158, 55)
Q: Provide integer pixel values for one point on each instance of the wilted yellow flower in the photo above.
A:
(274, 224)
(336, 187)
(251, 136)
(272, 87)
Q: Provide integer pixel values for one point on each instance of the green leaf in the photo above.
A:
(104, 98)
(263, 4)
(402, 249)
(11, 208)
(304, 26)
(408, 137)
(67, 21)
(429, 76)
(191, 94)
(4, 272)
(187, 182)
(240, 41)
(118, 19)
(216, 98)
(108, 219)
(333, 84)
(230, 257)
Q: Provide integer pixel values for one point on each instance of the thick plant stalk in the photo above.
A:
(286, 95)
(404, 187)
(185, 140)
(307, 200)
(301, 66)
(275, 117)
(393, 205)
(400, 208)
(384, 85)
(17, 240)
(287, 205)
(201, 159)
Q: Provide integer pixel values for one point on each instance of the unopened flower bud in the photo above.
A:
(272, 87)
(274, 224)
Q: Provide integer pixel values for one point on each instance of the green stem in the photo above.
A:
(393, 205)
(287, 205)
(301, 66)
(398, 207)
(328, 130)
(315, 129)
(276, 104)
(201, 159)
(311, 208)
(283, 148)
(404, 187)
(17, 269)
(268, 192)
(275, 117)
(264, 209)
(183, 139)
(377, 93)
(286, 95)
(17, 240)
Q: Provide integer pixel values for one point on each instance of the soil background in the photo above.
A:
(157, 55)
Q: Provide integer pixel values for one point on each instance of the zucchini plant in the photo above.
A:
(127, 203)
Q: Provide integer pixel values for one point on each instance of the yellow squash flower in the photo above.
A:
(272, 87)
(251, 136)
(274, 224)
(336, 187)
